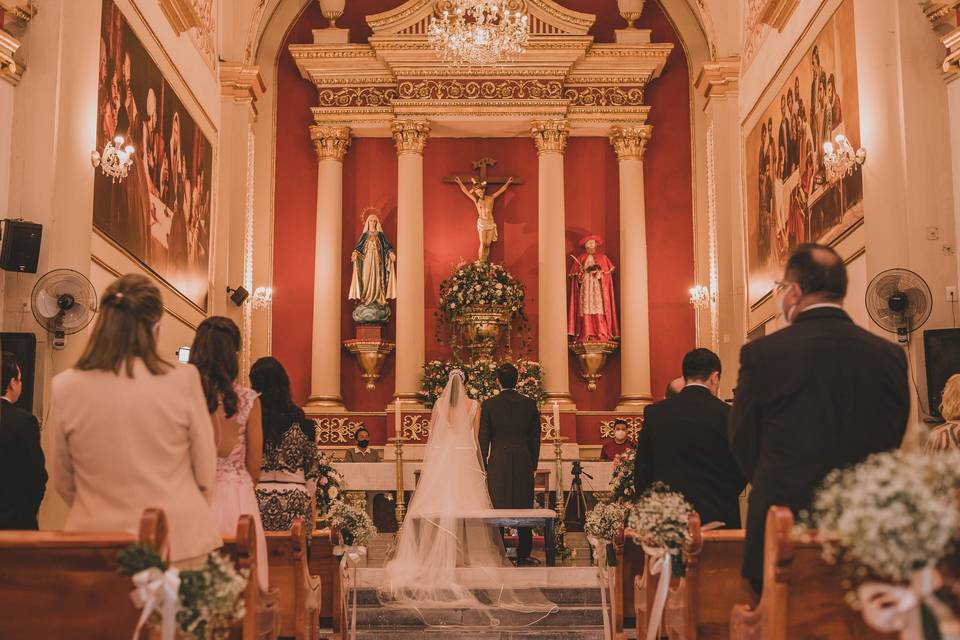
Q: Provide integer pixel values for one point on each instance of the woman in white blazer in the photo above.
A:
(131, 431)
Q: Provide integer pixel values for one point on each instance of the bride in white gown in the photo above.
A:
(445, 558)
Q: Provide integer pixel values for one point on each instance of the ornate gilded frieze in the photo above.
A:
(336, 430)
(330, 142)
(630, 142)
(548, 430)
(356, 96)
(634, 425)
(416, 428)
(550, 136)
(410, 136)
(616, 96)
(480, 89)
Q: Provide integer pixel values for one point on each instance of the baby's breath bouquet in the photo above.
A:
(210, 599)
(602, 525)
(621, 483)
(354, 524)
(660, 519)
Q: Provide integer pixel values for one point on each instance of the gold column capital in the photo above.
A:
(410, 136)
(550, 136)
(330, 142)
(630, 142)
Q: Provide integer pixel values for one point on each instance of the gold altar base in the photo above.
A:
(371, 354)
(592, 358)
(481, 330)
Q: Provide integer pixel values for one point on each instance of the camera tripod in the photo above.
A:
(575, 508)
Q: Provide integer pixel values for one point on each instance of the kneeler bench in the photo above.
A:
(519, 518)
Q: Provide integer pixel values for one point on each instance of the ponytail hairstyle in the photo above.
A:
(214, 354)
(126, 328)
(280, 413)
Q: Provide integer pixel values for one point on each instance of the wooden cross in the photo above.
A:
(481, 167)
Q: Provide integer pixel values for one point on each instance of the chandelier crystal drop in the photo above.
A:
(478, 32)
(841, 160)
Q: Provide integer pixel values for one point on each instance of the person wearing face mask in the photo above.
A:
(130, 430)
(684, 444)
(818, 395)
(362, 452)
(619, 444)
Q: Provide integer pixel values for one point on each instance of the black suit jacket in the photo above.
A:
(816, 396)
(23, 477)
(510, 447)
(684, 444)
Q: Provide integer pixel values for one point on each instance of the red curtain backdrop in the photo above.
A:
(449, 219)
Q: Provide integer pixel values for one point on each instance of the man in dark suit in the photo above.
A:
(510, 447)
(23, 478)
(819, 395)
(684, 444)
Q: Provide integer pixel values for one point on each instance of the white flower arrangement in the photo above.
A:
(621, 482)
(604, 521)
(354, 524)
(328, 483)
(891, 515)
(661, 518)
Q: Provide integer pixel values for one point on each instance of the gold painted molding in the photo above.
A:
(776, 13)
(10, 70)
(630, 142)
(550, 136)
(719, 79)
(181, 14)
(410, 136)
(330, 143)
(242, 83)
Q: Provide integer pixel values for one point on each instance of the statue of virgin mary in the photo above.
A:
(374, 274)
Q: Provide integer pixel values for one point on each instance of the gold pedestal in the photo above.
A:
(592, 358)
(370, 355)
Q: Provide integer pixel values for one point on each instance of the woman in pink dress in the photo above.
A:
(235, 412)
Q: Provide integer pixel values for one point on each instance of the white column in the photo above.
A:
(550, 137)
(630, 143)
(331, 144)
(410, 138)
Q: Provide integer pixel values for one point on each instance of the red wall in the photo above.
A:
(592, 206)
(449, 219)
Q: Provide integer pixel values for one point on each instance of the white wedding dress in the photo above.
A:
(445, 559)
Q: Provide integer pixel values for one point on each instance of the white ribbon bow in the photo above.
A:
(891, 608)
(351, 556)
(600, 554)
(661, 562)
(157, 591)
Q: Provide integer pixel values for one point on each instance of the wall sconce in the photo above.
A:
(262, 297)
(116, 159)
(840, 161)
(699, 296)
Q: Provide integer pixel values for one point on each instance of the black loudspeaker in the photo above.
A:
(23, 346)
(238, 296)
(942, 350)
(20, 246)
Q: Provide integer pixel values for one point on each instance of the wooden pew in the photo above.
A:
(65, 585)
(262, 620)
(629, 566)
(300, 592)
(803, 598)
(326, 566)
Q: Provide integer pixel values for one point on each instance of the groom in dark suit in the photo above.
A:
(23, 477)
(510, 447)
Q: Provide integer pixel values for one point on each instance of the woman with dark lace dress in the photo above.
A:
(288, 476)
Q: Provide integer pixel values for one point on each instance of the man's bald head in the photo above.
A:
(819, 271)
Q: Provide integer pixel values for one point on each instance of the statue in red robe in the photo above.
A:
(593, 308)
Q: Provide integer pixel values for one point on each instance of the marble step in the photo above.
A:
(570, 633)
(367, 597)
(385, 618)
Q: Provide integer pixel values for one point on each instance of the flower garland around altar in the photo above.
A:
(355, 526)
(328, 484)
(480, 285)
(481, 379)
(621, 482)
(209, 600)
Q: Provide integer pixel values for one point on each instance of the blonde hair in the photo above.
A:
(123, 333)
(950, 400)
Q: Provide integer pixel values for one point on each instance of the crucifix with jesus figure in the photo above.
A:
(477, 192)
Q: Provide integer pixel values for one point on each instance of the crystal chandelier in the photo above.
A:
(116, 159)
(840, 161)
(478, 32)
(699, 296)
